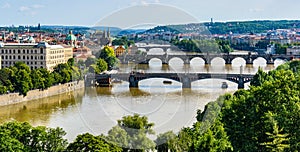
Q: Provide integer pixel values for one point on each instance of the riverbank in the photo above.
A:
(14, 98)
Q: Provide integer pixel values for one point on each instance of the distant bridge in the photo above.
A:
(207, 57)
(185, 78)
(165, 48)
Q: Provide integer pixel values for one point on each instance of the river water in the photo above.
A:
(96, 110)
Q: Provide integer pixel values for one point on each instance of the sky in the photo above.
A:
(134, 12)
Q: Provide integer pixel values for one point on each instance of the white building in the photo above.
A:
(294, 50)
(35, 55)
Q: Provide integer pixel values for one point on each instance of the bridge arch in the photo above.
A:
(197, 61)
(260, 61)
(213, 83)
(175, 60)
(159, 79)
(238, 61)
(155, 60)
(217, 61)
(279, 61)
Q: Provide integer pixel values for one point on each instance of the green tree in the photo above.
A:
(22, 82)
(167, 142)
(108, 54)
(102, 65)
(90, 143)
(38, 81)
(23, 137)
(277, 141)
(243, 115)
(136, 127)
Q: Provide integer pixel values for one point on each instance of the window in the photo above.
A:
(35, 63)
(14, 51)
(42, 51)
(23, 51)
(9, 51)
(14, 57)
(27, 51)
(23, 57)
(35, 51)
(31, 57)
(19, 57)
(19, 51)
(41, 57)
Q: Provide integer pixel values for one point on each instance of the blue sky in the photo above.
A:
(90, 12)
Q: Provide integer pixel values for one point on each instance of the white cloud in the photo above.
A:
(6, 5)
(256, 10)
(37, 6)
(24, 8)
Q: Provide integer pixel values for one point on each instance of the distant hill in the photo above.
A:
(240, 27)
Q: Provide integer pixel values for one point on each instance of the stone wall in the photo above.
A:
(14, 98)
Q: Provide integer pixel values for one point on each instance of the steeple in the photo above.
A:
(3, 37)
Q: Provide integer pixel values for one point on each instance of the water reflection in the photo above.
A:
(38, 112)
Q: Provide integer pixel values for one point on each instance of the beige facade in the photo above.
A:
(295, 50)
(40, 55)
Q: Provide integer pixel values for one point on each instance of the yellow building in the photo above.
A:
(38, 55)
(120, 50)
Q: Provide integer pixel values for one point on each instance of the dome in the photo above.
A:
(31, 39)
(71, 37)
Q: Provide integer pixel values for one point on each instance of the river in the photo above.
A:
(96, 110)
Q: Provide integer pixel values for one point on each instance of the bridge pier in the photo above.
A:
(186, 82)
(133, 83)
(186, 61)
(241, 84)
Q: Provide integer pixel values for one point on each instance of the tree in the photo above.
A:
(38, 81)
(108, 54)
(166, 141)
(23, 82)
(136, 128)
(90, 143)
(102, 65)
(23, 137)
(277, 141)
(244, 114)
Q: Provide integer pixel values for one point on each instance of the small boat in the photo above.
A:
(224, 85)
(167, 82)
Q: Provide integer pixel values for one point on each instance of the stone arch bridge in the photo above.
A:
(207, 57)
(185, 78)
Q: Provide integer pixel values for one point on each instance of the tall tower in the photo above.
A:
(3, 37)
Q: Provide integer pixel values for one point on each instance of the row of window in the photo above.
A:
(13, 51)
(13, 62)
(57, 51)
(57, 56)
(19, 57)
(56, 62)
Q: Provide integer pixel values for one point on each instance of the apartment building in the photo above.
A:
(35, 55)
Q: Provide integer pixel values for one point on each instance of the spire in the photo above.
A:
(108, 32)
